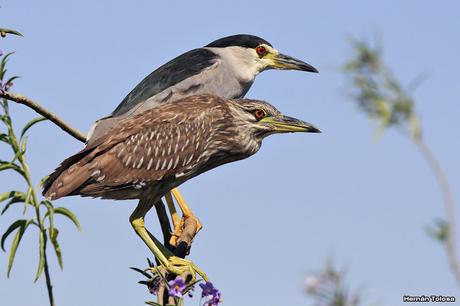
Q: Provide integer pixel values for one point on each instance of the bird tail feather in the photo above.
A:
(72, 175)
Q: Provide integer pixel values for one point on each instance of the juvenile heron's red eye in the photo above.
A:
(261, 51)
(259, 114)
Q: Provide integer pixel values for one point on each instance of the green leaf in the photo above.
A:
(17, 198)
(41, 250)
(152, 303)
(11, 194)
(27, 200)
(439, 230)
(191, 285)
(4, 138)
(9, 82)
(23, 224)
(64, 211)
(7, 165)
(49, 213)
(53, 234)
(15, 225)
(141, 272)
(21, 150)
(31, 123)
(3, 64)
(4, 31)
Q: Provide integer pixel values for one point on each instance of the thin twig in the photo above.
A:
(45, 113)
(49, 286)
(448, 202)
(184, 242)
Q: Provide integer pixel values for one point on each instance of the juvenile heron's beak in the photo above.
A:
(285, 124)
(286, 62)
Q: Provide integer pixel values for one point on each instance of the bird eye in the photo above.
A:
(261, 51)
(259, 114)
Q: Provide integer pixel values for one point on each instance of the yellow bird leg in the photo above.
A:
(186, 211)
(186, 214)
(168, 261)
(172, 210)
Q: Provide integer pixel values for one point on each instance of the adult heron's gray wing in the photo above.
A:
(171, 73)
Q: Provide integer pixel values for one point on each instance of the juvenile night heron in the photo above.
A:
(148, 154)
(226, 67)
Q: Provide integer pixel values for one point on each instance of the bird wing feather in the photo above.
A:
(171, 73)
(162, 144)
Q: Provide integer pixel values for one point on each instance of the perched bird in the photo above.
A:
(149, 153)
(226, 67)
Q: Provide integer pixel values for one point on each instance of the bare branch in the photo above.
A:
(45, 113)
(448, 202)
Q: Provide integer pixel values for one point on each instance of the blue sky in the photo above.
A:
(273, 218)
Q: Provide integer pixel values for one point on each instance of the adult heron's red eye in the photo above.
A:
(261, 51)
(259, 114)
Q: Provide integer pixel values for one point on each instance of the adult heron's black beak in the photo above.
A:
(285, 124)
(286, 62)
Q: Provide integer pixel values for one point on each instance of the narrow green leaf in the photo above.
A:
(41, 250)
(141, 272)
(10, 229)
(15, 244)
(3, 64)
(152, 303)
(16, 199)
(49, 213)
(10, 80)
(4, 31)
(31, 123)
(7, 165)
(10, 194)
(53, 234)
(64, 211)
(27, 200)
(191, 285)
(150, 263)
(4, 138)
(22, 149)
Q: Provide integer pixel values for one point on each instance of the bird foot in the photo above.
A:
(179, 266)
(188, 227)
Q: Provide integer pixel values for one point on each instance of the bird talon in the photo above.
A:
(177, 266)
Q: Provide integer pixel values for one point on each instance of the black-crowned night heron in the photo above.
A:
(148, 154)
(226, 67)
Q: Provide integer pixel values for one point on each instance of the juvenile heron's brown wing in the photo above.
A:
(163, 143)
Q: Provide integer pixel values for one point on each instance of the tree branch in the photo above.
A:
(448, 202)
(45, 113)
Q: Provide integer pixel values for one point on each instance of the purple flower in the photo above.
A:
(208, 289)
(177, 287)
(214, 300)
(211, 293)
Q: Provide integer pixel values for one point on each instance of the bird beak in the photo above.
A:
(285, 124)
(286, 62)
